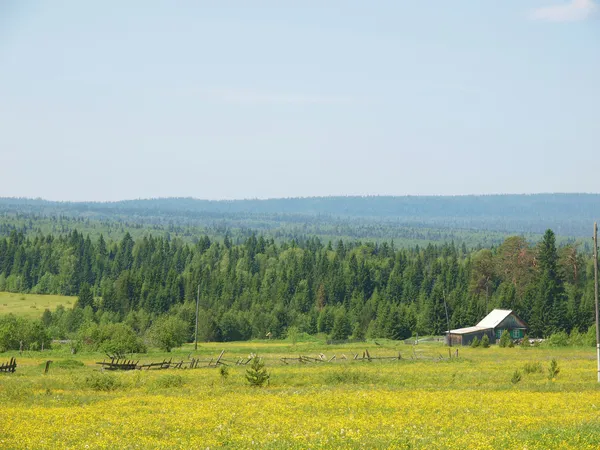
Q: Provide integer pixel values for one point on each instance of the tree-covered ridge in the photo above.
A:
(569, 214)
(239, 230)
(261, 286)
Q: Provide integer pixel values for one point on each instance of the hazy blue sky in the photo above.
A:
(110, 100)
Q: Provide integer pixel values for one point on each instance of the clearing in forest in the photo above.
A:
(32, 305)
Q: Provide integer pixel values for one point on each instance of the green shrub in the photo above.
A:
(257, 374)
(485, 341)
(586, 339)
(516, 377)
(553, 370)
(224, 372)
(102, 382)
(560, 339)
(505, 339)
(66, 364)
(475, 342)
(348, 377)
(113, 338)
(533, 367)
(525, 341)
(16, 330)
(169, 380)
(291, 335)
(167, 332)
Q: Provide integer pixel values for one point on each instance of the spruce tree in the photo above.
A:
(257, 374)
(549, 310)
(86, 297)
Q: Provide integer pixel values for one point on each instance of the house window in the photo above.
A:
(499, 334)
(516, 334)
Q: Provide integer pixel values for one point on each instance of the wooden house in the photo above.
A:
(492, 325)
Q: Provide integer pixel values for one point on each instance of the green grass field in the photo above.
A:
(32, 305)
(420, 401)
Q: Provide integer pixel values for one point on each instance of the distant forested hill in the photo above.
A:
(568, 214)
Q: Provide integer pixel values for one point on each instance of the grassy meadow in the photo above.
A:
(420, 401)
(32, 306)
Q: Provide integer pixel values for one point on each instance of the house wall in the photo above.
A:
(513, 324)
(466, 339)
(515, 333)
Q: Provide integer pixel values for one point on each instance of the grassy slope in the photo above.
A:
(468, 402)
(31, 305)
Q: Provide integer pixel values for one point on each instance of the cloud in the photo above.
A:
(573, 11)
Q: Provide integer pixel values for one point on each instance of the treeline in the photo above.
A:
(240, 226)
(571, 214)
(371, 217)
(257, 287)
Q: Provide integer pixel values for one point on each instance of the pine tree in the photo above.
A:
(485, 341)
(257, 374)
(505, 339)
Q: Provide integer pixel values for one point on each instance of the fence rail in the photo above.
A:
(9, 367)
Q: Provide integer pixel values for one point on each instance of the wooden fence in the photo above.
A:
(117, 363)
(9, 367)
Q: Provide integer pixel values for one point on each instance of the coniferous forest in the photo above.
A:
(257, 285)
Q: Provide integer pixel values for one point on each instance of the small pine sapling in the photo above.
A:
(224, 372)
(553, 370)
(505, 339)
(257, 374)
(516, 377)
(475, 342)
(485, 341)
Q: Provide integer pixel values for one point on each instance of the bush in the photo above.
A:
(167, 332)
(14, 330)
(516, 377)
(257, 374)
(485, 341)
(349, 377)
(583, 339)
(292, 335)
(475, 342)
(505, 339)
(169, 380)
(113, 338)
(235, 326)
(224, 372)
(553, 370)
(525, 341)
(66, 364)
(102, 382)
(560, 339)
(533, 367)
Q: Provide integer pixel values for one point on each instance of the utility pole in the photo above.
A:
(196, 331)
(596, 296)
(447, 321)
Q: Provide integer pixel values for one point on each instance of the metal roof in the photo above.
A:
(493, 319)
(468, 330)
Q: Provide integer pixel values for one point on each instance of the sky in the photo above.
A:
(230, 99)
